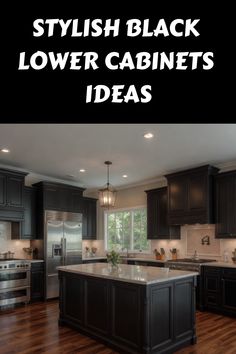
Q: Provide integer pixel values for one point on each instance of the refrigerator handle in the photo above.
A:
(63, 240)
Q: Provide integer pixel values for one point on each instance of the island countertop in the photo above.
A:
(128, 273)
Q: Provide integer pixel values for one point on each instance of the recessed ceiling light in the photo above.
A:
(125, 176)
(148, 135)
(5, 150)
(82, 170)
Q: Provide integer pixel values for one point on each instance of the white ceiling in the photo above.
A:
(56, 150)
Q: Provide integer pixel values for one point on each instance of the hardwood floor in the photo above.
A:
(34, 329)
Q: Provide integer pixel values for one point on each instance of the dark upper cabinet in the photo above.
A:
(11, 188)
(190, 196)
(89, 218)
(57, 196)
(157, 216)
(29, 224)
(26, 230)
(225, 204)
(62, 197)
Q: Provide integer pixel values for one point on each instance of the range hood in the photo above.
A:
(11, 214)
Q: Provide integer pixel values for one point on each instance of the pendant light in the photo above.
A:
(107, 195)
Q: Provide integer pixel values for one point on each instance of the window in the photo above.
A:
(126, 229)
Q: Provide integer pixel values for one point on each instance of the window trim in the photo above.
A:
(117, 210)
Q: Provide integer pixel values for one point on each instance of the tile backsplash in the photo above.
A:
(6, 244)
(191, 240)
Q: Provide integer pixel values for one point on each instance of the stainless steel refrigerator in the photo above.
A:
(63, 245)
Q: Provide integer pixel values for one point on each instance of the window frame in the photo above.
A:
(117, 210)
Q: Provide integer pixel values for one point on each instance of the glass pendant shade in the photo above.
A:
(107, 195)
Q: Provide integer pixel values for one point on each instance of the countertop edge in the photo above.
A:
(114, 278)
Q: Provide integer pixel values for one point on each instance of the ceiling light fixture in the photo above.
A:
(125, 176)
(5, 150)
(107, 195)
(82, 170)
(148, 135)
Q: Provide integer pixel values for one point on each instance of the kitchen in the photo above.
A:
(160, 183)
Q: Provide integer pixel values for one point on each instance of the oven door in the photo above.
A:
(14, 295)
(12, 278)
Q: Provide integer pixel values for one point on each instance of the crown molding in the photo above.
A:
(36, 177)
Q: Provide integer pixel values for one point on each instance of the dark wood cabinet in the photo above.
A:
(29, 223)
(190, 196)
(220, 289)
(57, 196)
(157, 216)
(11, 188)
(131, 317)
(37, 281)
(212, 279)
(62, 197)
(225, 204)
(89, 218)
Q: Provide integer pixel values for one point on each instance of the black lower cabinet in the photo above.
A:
(132, 318)
(220, 290)
(37, 281)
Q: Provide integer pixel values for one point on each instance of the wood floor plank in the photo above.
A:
(34, 329)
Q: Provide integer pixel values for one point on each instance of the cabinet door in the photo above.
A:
(89, 228)
(2, 190)
(15, 191)
(225, 206)
(212, 285)
(178, 194)
(229, 290)
(29, 224)
(37, 281)
(76, 202)
(197, 192)
(157, 216)
(51, 198)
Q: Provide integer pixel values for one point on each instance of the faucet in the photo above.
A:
(195, 255)
(127, 251)
(205, 240)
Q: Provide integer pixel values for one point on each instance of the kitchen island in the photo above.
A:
(134, 309)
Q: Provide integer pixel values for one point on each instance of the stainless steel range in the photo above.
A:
(14, 281)
(188, 264)
(191, 264)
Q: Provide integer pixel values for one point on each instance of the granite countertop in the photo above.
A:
(145, 259)
(129, 259)
(221, 264)
(128, 273)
